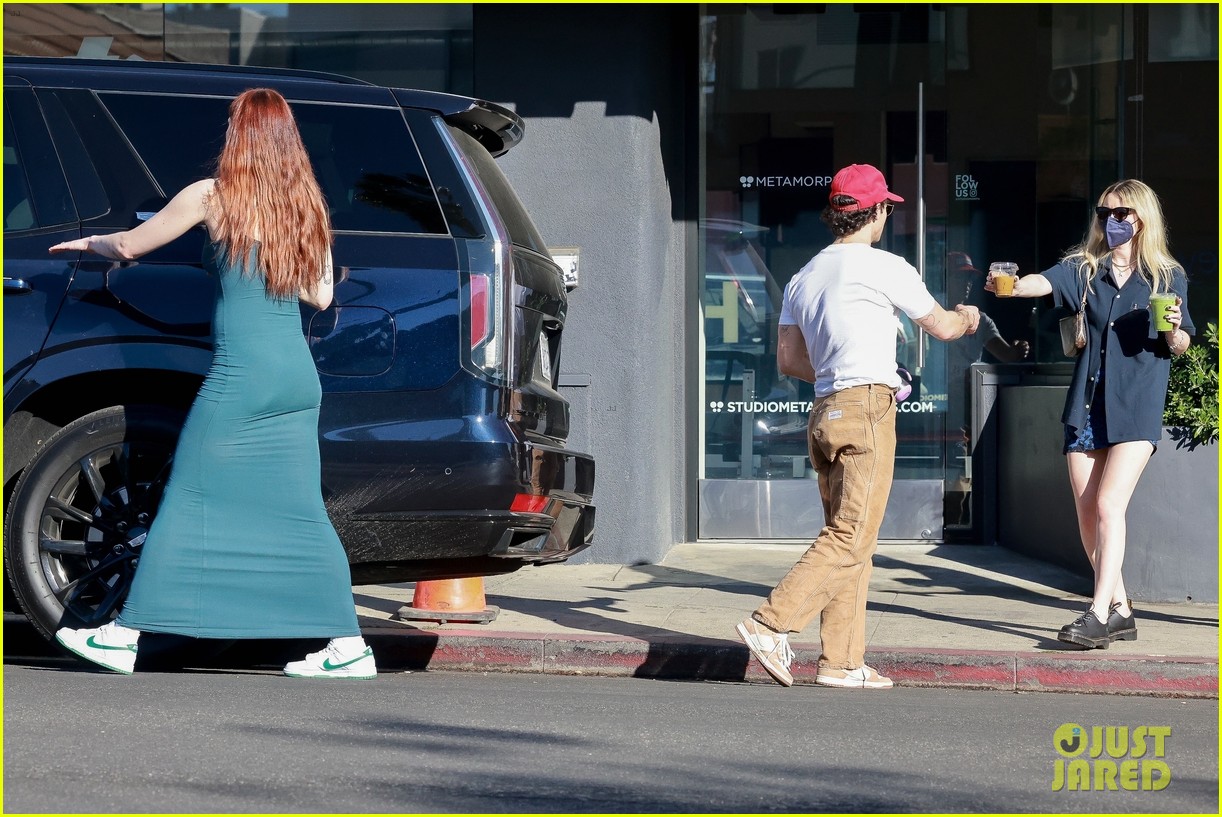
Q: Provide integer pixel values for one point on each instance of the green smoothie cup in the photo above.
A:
(1158, 310)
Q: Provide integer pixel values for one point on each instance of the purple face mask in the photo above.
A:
(1118, 232)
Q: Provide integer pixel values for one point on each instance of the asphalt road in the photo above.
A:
(82, 741)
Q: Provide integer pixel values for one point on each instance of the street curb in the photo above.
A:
(693, 658)
(704, 659)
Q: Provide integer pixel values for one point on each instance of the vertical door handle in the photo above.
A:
(920, 203)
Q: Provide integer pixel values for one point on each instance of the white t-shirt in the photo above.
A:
(847, 302)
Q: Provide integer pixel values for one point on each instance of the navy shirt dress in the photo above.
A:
(1119, 384)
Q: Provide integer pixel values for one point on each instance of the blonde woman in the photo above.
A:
(242, 546)
(1113, 412)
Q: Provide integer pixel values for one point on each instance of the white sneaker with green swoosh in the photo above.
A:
(342, 658)
(112, 645)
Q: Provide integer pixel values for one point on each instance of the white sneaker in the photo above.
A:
(770, 649)
(111, 645)
(863, 677)
(342, 658)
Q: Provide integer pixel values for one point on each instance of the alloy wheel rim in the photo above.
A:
(94, 522)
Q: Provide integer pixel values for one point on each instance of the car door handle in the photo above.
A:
(16, 286)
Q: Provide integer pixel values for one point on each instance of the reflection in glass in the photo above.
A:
(408, 194)
(426, 46)
(755, 417)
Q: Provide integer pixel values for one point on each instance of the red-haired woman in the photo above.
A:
(242, 546)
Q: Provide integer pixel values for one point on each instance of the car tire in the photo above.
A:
(78, 516)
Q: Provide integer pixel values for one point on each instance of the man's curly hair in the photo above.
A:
(843, 223)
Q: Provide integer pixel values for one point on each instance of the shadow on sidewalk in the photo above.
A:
(1043, 637)
(972, 563)
(670, 654)
(640, 607)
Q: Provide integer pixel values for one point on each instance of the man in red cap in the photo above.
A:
(838, 327)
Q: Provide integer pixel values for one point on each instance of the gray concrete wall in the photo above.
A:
(1035, 509)
(603, 168)
(1172, 552)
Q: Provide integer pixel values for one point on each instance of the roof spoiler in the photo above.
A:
(495, 127)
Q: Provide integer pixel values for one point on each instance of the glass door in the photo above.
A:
(788, 98)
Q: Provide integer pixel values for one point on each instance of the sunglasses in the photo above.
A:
(888, 207)
(1120, 213)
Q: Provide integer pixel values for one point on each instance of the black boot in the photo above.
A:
(1086, 631)
(1121, 628)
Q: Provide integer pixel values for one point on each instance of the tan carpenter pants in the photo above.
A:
(852, 446)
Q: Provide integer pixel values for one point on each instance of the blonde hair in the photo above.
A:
(1154, 261)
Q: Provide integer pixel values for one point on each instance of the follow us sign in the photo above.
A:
(966, 188)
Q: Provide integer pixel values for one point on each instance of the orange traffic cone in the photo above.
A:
(445, 600)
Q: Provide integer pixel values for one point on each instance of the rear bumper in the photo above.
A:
(401, 524)
(566, 523)
(540, 538)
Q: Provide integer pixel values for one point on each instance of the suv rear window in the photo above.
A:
(522, 230)
(366, 162)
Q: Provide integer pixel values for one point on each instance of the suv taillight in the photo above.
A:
(489, 279)
(488, 312)
(481, 310)
(489, 283)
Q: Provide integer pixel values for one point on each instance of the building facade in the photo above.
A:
(681, 154)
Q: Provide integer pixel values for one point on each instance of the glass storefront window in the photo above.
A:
(999, 125)
(789, 97)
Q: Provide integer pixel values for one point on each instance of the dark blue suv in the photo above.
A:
(442, 433)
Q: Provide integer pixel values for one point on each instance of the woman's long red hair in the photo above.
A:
(266, 192)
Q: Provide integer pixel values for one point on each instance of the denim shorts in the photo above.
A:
(1090, 438)
(1093, 435)
(1087, 438)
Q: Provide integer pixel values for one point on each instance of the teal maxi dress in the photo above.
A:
(241, 546)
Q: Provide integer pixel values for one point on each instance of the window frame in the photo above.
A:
(43, 164)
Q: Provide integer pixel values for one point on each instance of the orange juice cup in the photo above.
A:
(1005, 275)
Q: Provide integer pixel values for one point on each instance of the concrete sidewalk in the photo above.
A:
(938, 615)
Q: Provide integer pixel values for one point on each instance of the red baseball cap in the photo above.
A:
(865, 183)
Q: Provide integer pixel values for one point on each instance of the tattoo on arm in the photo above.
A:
(931, 323)
(326, 274)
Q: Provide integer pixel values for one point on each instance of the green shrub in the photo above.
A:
(1192, 397)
